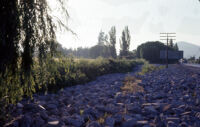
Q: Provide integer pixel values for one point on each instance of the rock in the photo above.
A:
(166, 107)
(19, 105)
(159, 95)
(174, 119)
(44, 115)
(92, 112)
(127, 117)
(150, 110)
(72, 110)
(134, 109)
(183, 124)
(109, 109)
(118, 118)
(53, 121)
(54, 111)
(110, 122)
(51, 106)
(75, 120)
(171, 124)
(88, 117)
(146, 126)
(138, 116)
(26, 121)
(29, 107)
(42, 108)
(130, 123)
(93, 124)
(142, 122)
(38, 122)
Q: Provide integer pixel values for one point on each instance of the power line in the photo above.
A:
(166, 37)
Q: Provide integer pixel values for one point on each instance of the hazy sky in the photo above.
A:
(145, 18)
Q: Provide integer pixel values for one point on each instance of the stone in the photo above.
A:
(134, 109)
(26, 121)
(150, 110)
(143, 122)
(44, 115)
(75, 120)
(130, 123)
(183, 124)
(53, 122)
(118, 118)
(138, 116)
(41, 107)
(19, 105)
(146, 126)
(127, 117)
(38, 122)
(29, 107)
(171, 124)
(51, 106)
(92, 112)
(93, 124)
(174, 119)
(110, 122)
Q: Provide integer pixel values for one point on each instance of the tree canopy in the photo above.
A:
(151, 51)
(125, 42)
(25, 26)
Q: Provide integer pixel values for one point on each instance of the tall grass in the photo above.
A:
(67, 72)
(149, 68)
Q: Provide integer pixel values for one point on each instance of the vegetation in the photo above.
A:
(151, 51)
(25, 27)
(125, 42)
(193, 60)
(54, 74)
(149, 68)
(106, 47)
(131, 85)
(112, 35)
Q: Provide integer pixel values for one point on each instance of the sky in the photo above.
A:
(145, 18)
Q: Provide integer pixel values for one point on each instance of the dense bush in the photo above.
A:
(151, 51)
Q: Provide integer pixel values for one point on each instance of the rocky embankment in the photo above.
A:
(171, 98)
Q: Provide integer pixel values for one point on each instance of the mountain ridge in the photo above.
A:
(189, 49)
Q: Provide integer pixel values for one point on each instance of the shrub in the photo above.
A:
(149, 68)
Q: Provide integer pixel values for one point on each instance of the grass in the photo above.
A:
(149, 68)
(102, 119)
(57, 74)
(131, 85)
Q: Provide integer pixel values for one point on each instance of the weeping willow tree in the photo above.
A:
(26, 26)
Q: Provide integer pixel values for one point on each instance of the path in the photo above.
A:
(193, 65)
(171, 99)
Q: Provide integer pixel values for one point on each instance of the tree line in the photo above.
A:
(105, 47)
(151, 51)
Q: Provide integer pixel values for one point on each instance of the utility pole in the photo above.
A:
(166, 37)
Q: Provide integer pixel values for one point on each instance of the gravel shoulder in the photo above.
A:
(171, 98)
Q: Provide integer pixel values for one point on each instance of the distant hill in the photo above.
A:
(189, 49)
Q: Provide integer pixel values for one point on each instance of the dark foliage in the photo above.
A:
(151, 51)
